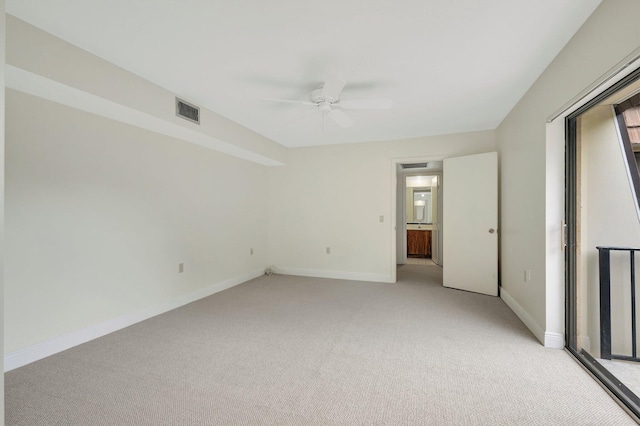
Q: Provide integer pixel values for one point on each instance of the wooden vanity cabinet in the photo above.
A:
(419, 242)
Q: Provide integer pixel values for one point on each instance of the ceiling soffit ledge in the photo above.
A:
(42, 65)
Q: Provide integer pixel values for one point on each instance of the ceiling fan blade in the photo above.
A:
(288, 101)
(302, 117)
(341, 118)
(333, 87)
(366, 104)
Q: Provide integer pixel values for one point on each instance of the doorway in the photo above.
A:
(418, 210)
(464, 217)
(419, 213)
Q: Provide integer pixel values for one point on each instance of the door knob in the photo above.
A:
(491, 231)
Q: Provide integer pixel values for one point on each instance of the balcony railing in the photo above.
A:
(604, 259)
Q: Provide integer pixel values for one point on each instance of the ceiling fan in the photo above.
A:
(327, 100)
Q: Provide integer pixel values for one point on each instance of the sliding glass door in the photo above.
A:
(603, 238)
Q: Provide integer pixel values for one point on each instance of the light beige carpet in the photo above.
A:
(285, 350)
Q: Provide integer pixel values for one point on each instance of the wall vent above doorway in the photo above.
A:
(187, 111)
(415, 166)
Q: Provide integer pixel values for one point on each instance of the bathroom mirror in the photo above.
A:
(420, 200)
(422, 205)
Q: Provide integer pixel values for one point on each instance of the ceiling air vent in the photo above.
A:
(415, 166)
(187, 111)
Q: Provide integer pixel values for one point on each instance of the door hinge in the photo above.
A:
(563, 235)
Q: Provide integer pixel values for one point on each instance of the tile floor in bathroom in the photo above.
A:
(419, 261)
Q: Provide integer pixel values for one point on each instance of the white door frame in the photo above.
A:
(394, 207)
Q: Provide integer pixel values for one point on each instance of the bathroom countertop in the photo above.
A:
(419, 226)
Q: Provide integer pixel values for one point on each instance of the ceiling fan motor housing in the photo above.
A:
(324, 106)
(317, 97)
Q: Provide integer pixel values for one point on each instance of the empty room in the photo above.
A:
(311, 213)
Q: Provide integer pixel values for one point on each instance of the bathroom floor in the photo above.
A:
(419, 261)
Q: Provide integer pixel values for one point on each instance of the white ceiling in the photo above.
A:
(449, 66)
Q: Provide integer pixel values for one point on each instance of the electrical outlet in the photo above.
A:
(381, 218)
(180, 268)
(527, 275)
(328, 250)
(251, 250)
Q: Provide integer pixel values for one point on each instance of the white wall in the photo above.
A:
(333, 196)
(99, 215)
(532, 177)
(102, 205)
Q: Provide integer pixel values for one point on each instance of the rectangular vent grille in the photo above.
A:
(187, 111)
(415, 166)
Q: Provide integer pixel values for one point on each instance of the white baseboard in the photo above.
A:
(547, 338)
(553, 340)
(340, 275)
(54, 345)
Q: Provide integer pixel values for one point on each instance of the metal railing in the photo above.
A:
(604, 260)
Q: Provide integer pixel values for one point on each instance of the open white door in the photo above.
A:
(470, 223)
